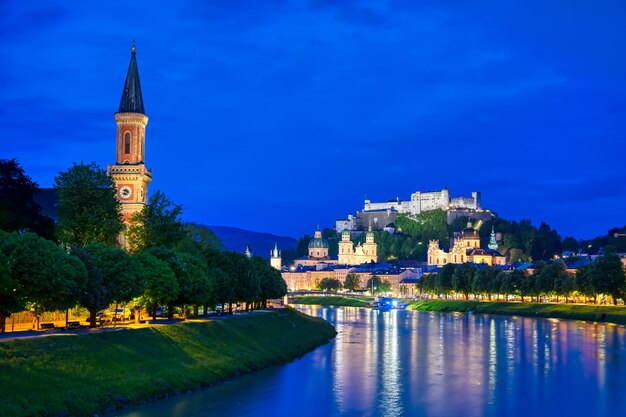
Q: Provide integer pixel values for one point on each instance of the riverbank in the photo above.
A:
(83, 375)
(331, 301)
(604, 313)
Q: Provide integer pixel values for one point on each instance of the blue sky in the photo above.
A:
(277, 116)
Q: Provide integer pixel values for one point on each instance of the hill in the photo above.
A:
(235, 239)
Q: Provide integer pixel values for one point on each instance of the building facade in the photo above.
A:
(465, 248)
(351, 255)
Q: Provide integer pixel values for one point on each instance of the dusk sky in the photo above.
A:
(277, 116)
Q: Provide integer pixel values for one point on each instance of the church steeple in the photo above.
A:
(132, 100)
(493, 244)
(130, 173)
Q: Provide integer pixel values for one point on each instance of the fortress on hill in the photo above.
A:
(382, 215)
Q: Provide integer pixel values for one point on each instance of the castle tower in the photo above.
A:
(275, 259)
(248, 252)
(370, 247)
(493, 244)
(129, 172)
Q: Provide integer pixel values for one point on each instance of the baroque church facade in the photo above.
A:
(363, 253)
(466, 248)
(130, 174)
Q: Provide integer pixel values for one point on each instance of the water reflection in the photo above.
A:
(429, 364)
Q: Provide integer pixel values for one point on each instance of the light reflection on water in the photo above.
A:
(430, 364)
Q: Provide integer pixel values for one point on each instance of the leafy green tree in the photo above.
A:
(48, 278)
(428, 283)
(583, 283)
(198, 240)
(481, 283)
(112, 277)
(157, 224)
(272, 284)
(607, 276)
(352, 282)
(512, 282)
(373, 284)
(246, 285)
(384, 286)
(444, 279)
(564, 284)
(88, 210)
(496, 283)
(11, 292)
(18, 209)
(224, 290)
(462, 278)
(329, 284)
(570, 244)
(161, 286)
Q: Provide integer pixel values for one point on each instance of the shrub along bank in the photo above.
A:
(87, 374)
(331, 301)
(604, 313)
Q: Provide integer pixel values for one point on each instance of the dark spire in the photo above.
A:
(132, 101)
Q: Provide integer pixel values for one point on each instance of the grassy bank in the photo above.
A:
(88, 374)
(603, 313)
(331, 301)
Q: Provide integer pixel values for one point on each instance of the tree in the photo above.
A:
(583, 283)
(48, 278)
(12, 298)
(352, 282)
(607, 276)
(570, 244)
(329, 284)
(373, 284)
(444, 279)
(384, 286)
(157, 224)
(18, 209)
(112, 277)
(462, 278)
(88, 210)
(481, 283)
(161, 286)
(271, 281)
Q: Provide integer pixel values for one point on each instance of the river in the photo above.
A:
(405, 363)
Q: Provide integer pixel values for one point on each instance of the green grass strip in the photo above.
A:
(87, 374)
(331, 301)
(604, 313)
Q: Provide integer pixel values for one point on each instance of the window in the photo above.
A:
(127, 142)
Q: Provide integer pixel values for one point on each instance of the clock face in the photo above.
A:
(126, 192)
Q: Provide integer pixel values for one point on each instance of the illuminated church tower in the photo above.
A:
(129, 172)
(275, 259)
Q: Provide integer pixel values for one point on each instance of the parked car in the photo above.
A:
(121, 314)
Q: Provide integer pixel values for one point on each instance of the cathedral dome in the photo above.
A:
(318, 242)
(469, 232)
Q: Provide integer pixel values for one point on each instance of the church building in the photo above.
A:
(466, 249)
(365, 253)
(129, 172)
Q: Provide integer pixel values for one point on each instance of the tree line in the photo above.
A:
(605, 276)
(169, 263)
(353, 283)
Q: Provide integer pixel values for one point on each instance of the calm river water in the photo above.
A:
(403, 363)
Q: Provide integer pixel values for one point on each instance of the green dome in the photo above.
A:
(318, 243)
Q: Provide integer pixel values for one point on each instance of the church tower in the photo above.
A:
(275, 259)
(129, 172)
(369, 247)
(248, 252)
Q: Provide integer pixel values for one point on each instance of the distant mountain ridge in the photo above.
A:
(236, 239)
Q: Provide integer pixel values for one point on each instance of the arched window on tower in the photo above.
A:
(127, 142)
